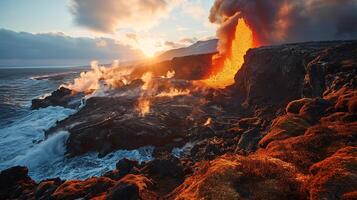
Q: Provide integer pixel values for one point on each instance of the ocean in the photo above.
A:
(22, 129)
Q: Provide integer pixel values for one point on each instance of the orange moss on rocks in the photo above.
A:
(316, 144)
(238, 177)
(140, 181)
(335, 127)
(336, 176)
(132, 187)
(295, 106)
(284, 127)
(89, 188)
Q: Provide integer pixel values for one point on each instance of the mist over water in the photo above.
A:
(22, 130)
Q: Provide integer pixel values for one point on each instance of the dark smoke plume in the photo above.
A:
(283, 21)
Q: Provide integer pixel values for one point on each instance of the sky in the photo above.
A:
(32, 29)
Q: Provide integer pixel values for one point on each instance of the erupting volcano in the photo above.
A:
(222, 76)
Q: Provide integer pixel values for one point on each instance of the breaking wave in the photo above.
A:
(47, 151)
(53, 76)
(22, 135)
(22, 143)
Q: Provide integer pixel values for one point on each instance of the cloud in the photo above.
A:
(26, 48)
(101, 43)
(180, 28)
(132, 36)
(280, 21)
(108, 15)
(194, 9)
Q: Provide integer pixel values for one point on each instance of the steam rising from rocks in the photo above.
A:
(281, 21)
(113, 77)
(150, 90)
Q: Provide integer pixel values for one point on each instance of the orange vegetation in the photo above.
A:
(242, 41)
(238, 177)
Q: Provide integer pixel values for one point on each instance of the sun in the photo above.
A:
(148, 48)
(149, 54)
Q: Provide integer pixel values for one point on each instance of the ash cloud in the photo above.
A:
(282, 21)
(107, 15)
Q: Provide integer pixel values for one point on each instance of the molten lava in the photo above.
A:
(222, 76)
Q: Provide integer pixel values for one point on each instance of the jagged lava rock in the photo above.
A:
(192, 67)
(16, 184)
(133, 187)
(61, 97)
(275, 75)
(89, 188)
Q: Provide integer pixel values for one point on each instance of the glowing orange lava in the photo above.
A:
(242, 41)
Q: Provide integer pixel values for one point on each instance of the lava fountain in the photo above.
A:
(222, 76)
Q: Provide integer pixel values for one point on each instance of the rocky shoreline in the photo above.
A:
(286, 129)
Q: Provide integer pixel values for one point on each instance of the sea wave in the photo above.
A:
(19, 137)
(22, 143)
(88, 165)
(43, 153)
(53, 76)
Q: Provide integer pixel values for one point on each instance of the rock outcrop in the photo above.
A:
(192, 67)
(16, 184)
(273, 76)
(105, 124)
(61, 97)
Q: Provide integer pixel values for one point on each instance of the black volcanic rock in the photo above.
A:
(249, 140)
(331, 69)
(109, 123)
(167, 173)
(61, 97)
(271, 75)
(124, 191)
(16, 184)
(47, 187)
(274, 76)
(106, 124)
(193, 67)
(123, 167)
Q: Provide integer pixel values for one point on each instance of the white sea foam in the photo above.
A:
(88, 165)
(179, 152)
(52, 75)
(19, 138)
(45, 152)
(21, 144)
